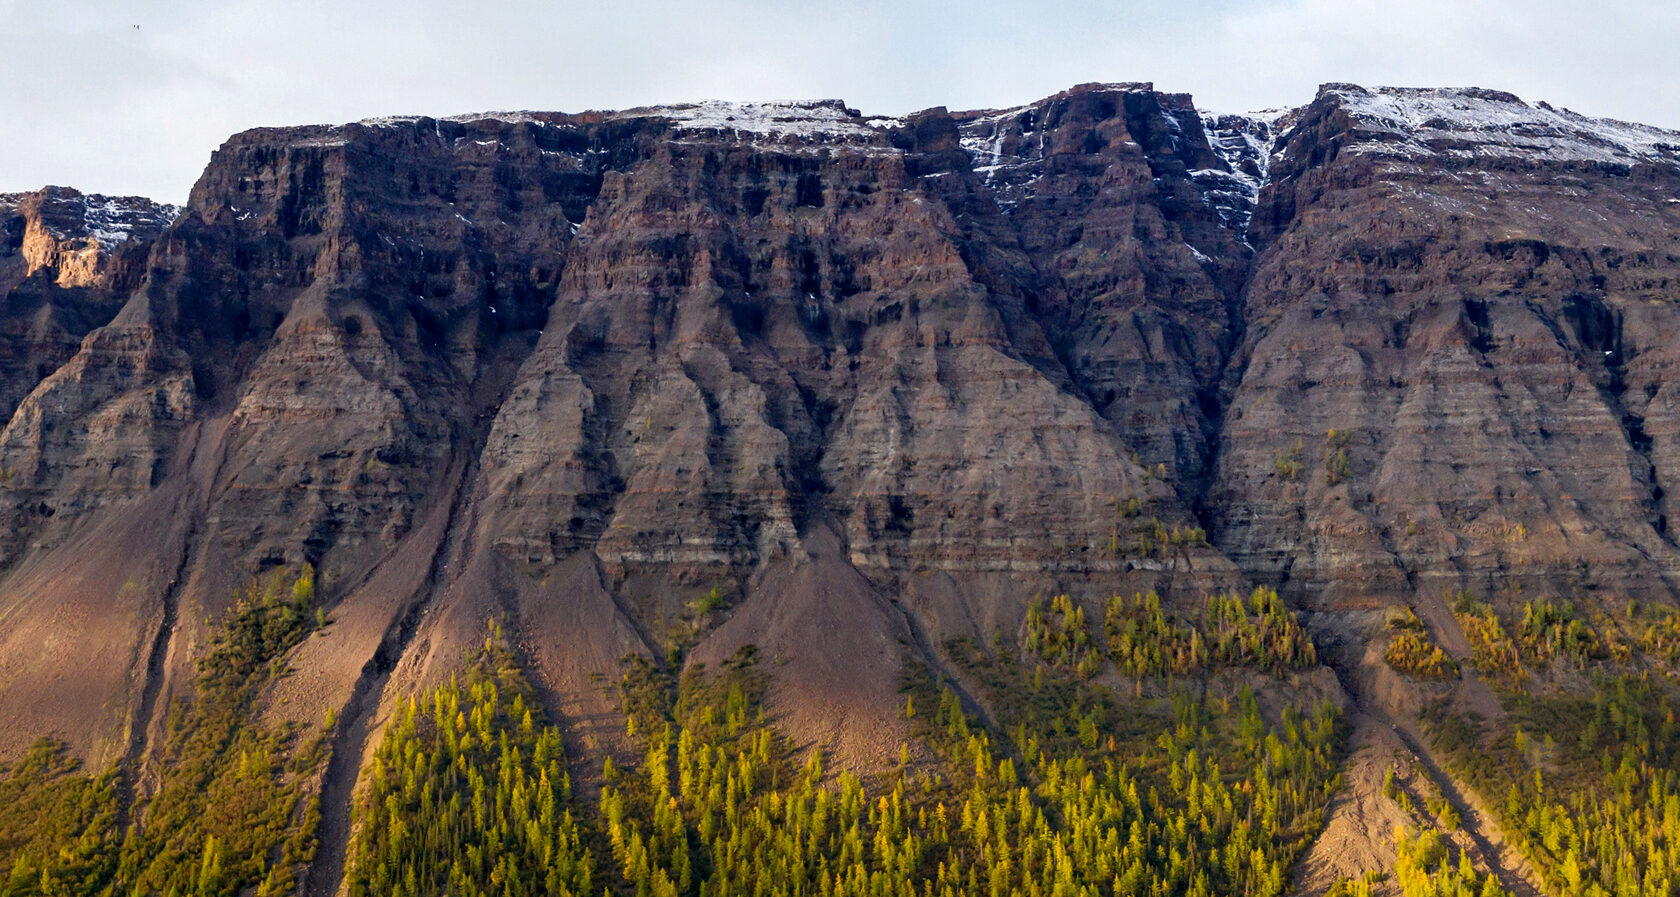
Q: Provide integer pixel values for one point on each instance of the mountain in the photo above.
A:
(851, 392)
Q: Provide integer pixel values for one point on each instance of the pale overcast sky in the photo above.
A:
(90, 100)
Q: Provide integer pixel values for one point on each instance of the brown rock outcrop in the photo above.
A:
(1456, 328)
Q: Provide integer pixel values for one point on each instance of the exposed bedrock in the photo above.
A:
(673, 380)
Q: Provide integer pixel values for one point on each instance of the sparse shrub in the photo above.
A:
(1337, 464)
(1399, 617)
(1289, 463)
(711, 601)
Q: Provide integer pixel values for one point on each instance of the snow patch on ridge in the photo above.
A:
(69, 216)
(111, 221)
(511, 118)
(810, 119)
(1007, 150)
(389, 121)
(1472, 122)
(798, 118)
(787, 122)
(1244, 143)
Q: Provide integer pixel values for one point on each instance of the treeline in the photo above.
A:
(1072, 794)
(1143, 640)
(1510, 648)
(1166, 796)
(1544, 633)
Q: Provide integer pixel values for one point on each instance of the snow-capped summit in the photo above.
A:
(1471, 122)
(784, 118)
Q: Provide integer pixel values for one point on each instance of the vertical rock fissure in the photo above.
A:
(1213, 395)
(355, 726)
(130, 791)
(1214, 402)
(1598, 329)
(810, 498)
(725, 523)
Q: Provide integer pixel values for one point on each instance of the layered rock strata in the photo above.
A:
(682, 378)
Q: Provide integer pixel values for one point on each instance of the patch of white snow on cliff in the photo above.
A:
(1472, 122)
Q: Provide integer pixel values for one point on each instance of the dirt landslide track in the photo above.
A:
(1361, 821)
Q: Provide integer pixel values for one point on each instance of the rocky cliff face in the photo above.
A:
(1471, 293)
(871, 383)
(80, 241)
(66, 263)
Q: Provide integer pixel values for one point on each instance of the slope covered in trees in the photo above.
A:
(1043, 778)
(1585, 780)
(469, 794)
(231, 813)
(1074, 792)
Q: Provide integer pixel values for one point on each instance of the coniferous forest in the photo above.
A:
(1155, 753)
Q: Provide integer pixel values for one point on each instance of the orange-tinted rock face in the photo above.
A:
(76, 240)
(65, 262)
(580, 367)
